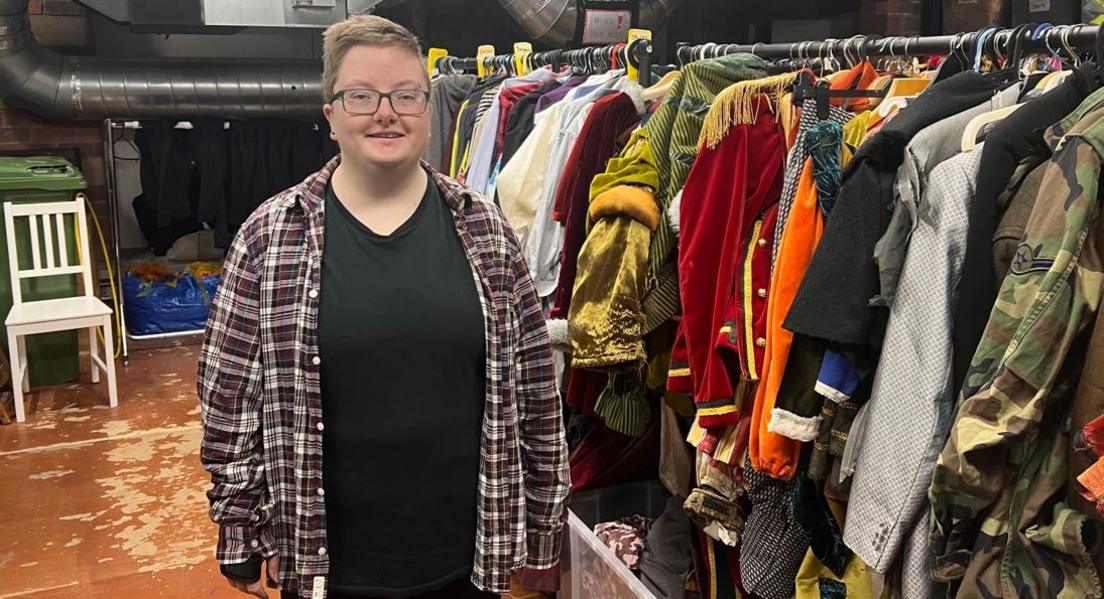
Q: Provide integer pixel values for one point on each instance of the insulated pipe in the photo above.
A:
(77, 87)
(553, 21)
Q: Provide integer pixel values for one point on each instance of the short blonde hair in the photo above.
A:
(368, 30)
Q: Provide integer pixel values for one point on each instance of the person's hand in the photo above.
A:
(272, 565)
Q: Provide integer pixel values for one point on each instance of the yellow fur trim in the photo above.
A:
(637, 203)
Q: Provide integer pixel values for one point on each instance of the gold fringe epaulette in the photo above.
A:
(733, 106)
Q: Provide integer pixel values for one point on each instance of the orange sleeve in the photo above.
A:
(770, 452)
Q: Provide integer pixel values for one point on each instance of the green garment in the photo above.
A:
(672, 135)
(1000, 524)
(636, 165)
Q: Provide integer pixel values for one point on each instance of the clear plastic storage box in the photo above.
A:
(590, 570)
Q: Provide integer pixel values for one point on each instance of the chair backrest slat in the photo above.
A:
(36, 253)
(64, 257)
(47, 233)
(39, 216)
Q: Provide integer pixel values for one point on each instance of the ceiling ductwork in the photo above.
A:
(553, 22)
(80, 87)
(209, 16)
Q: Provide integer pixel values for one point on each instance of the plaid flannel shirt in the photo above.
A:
(261, 399)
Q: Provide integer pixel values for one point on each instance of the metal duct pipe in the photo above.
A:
(553, 21)
(73, 87)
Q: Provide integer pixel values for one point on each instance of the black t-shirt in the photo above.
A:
(401, 337)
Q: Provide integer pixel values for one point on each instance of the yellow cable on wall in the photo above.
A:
(110, 275)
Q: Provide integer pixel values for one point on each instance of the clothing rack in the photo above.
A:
(1051, 38)
(113, 214)
(592, 59)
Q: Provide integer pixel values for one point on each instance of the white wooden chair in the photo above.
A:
(63, 314)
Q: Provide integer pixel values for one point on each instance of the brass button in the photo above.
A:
(761, 342)
(762, 292)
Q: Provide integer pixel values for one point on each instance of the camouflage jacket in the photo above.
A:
(1001, 527)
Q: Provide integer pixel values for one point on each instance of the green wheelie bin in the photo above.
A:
(53, 357)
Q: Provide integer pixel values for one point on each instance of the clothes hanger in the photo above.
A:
(888, 72)
(976, 124)
(979, 48)
(1055, 77)
(970, 133)
(883, 67)
(1031, 66)
(955, 62)
(901, 89)
(661, 87)
(1008, 72)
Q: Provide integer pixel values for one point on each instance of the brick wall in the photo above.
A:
(890, 17)
(66, 27)
(62, 24)
(962, 15)
(80, 142)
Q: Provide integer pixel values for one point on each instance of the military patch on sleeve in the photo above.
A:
(1027, 260)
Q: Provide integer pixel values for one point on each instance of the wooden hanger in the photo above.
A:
(1052, 80)
(901, 87)
(976, 124)
(899, 92)
(661, 87)
(907, 86)
(891, 105)
(881, 81)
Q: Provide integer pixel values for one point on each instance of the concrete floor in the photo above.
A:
(98, 502)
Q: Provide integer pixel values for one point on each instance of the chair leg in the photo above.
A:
(109, 359)
(16, 358)
(92, 353)
(26, 375)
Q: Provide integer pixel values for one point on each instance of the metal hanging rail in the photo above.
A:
(1052, 38)
(593, 59)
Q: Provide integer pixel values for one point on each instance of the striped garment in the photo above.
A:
(673, 136)
(261, 399)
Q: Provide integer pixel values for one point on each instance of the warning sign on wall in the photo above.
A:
(605, 21)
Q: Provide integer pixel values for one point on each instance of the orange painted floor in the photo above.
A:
(109, 503)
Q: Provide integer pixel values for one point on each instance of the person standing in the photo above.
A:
(380, 410)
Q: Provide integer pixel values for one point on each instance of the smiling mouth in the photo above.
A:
(386, 135)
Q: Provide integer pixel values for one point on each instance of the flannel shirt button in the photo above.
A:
(761, 292)
(313, 293)
(321, 426)
(321, 551)
(254, 543)
(321, 491)
(760, 342)
(316, 360)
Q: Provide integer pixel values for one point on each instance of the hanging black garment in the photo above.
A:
(168, 170)
(266, 157)
(212, 160)
(833, 301)
(160, 238)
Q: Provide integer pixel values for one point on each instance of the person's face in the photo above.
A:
(390, 136)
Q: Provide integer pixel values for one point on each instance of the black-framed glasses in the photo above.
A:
(409, 102)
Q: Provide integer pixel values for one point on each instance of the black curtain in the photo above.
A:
(218, 175)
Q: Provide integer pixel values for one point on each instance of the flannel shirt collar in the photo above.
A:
(309, 194)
